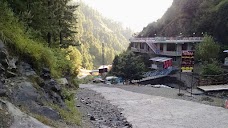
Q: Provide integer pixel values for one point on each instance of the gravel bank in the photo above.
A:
(171, 93)
(98, 112)
(148, 111)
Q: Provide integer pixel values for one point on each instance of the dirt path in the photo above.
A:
(147, 111)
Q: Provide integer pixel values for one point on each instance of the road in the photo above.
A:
(148, 111)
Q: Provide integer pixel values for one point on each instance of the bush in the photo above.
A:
(212, 69)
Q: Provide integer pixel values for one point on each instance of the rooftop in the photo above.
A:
(167, 39)
(160, 59)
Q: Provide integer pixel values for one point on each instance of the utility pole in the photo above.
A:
(103, 54)
(103, 71)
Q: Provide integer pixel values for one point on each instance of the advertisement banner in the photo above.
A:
(187, 63)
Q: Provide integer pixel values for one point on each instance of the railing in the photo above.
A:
(213, 80)
(153, 47)
(170, 53)
(166, 39)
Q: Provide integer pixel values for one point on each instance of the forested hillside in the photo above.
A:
(192, 16)
(75, 31)
(93, 30)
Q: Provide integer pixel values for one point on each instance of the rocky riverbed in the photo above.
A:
(98, 112)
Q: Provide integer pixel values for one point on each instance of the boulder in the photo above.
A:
(62, 81)
(20, 119)
(52, 85)
(10, 74)
(2, 45)
(12, 65)
(46, 74)
(3, 93)
(57, 99)
(2, 69)
(4, 63)
(3, 54)
(25, 93)
(25, 69)
(48, 112)
(1, 85)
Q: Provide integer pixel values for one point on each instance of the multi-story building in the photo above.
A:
(171, 47)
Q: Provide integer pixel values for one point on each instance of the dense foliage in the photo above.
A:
(53, 20)
(128, 66)
(49, 34)
(192, 18)
(212, 68)
(13, 33)
(207, 50)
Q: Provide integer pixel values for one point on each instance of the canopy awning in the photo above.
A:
(226, 51)
(160, 59)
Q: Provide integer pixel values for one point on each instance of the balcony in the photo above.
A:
(139, 50)
(170, 53)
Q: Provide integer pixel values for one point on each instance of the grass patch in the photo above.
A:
(72, 115)
(45, 120)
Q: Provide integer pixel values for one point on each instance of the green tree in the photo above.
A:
(128, 66)
(53, 20)
(208, 50)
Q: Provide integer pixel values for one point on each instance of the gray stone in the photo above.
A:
(10, 74)
(48, 112)
(62, 81)
(92, 118)
(4, 63)
(3, 54)
(46, 74)
(3, 92)
(57, 99)
(52, 85)
(2, 69)
(1, 84)
(26, 69)
(25, 93)
(2, 45)
(12, 65)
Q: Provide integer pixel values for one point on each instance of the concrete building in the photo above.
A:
(171, 47)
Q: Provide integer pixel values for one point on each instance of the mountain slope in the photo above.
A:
(93, 30)
(192, 16)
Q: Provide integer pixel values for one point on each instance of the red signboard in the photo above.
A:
(187, 61)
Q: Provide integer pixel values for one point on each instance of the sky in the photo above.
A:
(135, 14)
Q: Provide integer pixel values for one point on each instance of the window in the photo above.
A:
(171, 47)
(141, 45)
(184, 46)
(161, 47)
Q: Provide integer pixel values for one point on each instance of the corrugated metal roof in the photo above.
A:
(226, 51)
(160, 59)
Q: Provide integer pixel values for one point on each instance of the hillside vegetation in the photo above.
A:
(59, 35)
(93, 30)
(192, 16)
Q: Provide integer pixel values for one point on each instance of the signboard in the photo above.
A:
(187, 62)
